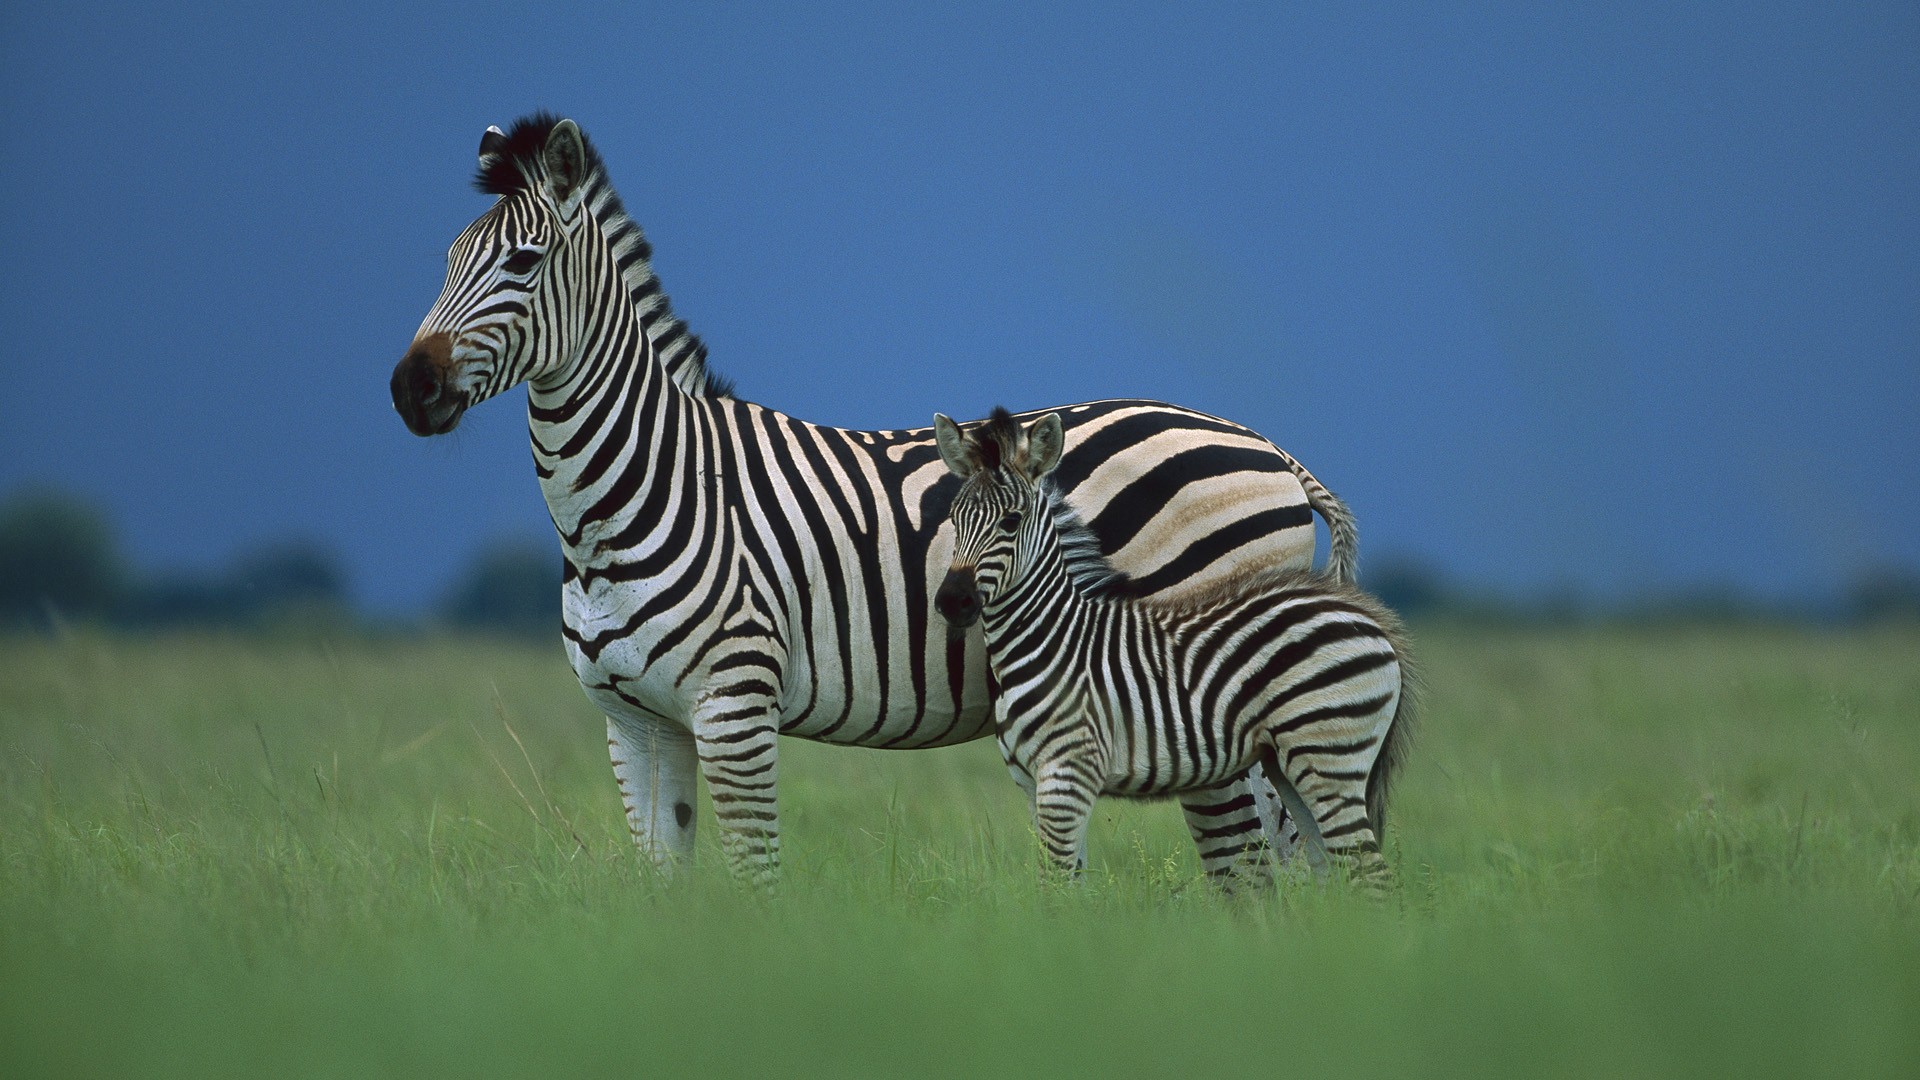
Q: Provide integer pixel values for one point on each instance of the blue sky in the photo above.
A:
(1617, 301)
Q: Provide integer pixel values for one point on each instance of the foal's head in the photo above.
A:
(1002, 515)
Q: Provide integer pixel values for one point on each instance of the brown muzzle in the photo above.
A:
(422, 387)
(958, 598)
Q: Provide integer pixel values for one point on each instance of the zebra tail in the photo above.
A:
(1343, 546)
(1393, 749)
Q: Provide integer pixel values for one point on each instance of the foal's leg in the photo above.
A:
(1063, 792)
(1337, 799)
(1231, 834)
(1276, 821)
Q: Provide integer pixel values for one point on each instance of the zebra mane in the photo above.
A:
(1000, 443)
(517, 166)
(992, 442)
(1092, 574)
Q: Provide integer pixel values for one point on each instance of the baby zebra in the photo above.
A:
(1099, 693)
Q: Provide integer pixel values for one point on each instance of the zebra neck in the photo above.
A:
(682, 355)
(1042, 610)
(614, 439)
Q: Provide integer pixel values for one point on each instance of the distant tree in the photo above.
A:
(295, 573)
(1885, 594)
(58, 559)
(512, 587)
(1408, 586)
(1709, 603)
(293, 583)
(185, 600)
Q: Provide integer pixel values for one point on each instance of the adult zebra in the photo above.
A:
(733, 573)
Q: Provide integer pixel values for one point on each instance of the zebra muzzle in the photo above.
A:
(421, 394)
(958, 598)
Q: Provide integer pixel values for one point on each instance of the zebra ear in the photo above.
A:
(566, 160)
(1046, 439)
(953, 446)
(492, 145)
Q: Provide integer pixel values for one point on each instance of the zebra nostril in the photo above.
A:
(421, 394)
(425, 381)
(958, 600)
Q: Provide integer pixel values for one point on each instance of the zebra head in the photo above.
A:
(502, 317)
(1002, 515)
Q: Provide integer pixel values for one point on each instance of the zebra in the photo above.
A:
(732, 573)
(1104, 694)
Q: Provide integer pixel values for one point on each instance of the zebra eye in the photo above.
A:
(521, 261)
(1010, 522)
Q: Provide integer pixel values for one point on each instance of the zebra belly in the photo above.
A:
(826, 702)
(823, 701)
(1169, 782)
(1164, 756)
(618, 683)
(853, 676)
(823, 697)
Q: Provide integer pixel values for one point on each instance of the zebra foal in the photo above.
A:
(1102, 694)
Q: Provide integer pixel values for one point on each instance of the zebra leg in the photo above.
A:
(1239, 827)
(737, 738)
(654, 763)
(1276, 823)
(1227, 827)
(1339, 806)
(1063, 793)
(1307, 833)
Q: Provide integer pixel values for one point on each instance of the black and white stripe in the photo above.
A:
(733, 573)
(1104, 694)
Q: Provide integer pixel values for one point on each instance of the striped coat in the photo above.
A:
(732, 573)
(1109, 694)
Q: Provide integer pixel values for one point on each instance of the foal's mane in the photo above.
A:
(1087, 566)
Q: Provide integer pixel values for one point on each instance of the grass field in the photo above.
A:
(1681, 852)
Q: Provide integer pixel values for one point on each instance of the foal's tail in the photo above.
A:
(1393, 748)
(1343, 545)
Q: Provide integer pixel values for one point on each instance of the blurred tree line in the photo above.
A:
(1418, 591)
(60, 563)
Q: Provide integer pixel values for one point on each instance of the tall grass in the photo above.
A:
(1670, 852)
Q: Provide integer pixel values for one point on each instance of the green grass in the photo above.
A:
(1676, 852)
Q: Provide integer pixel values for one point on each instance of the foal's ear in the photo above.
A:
(1046, 439)
(492, 145)
(566, 160)
(953, 446)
